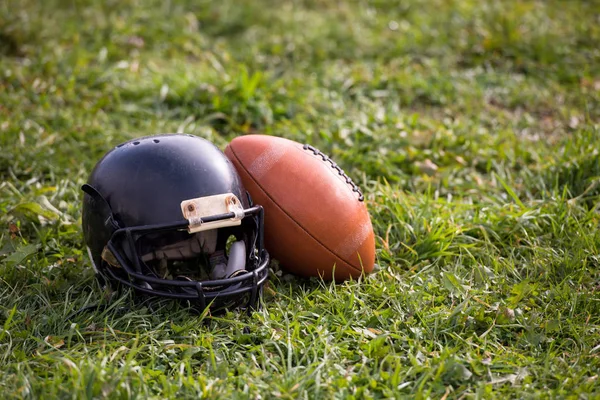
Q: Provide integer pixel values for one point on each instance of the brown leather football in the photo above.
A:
(316, 222)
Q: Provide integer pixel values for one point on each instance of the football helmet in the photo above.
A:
(167, 215)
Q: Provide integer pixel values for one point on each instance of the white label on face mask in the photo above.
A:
(196, 209)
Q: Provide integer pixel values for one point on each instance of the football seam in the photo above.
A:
(290, 217)
(334, 166)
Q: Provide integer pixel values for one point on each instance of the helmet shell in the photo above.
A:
(143, 182)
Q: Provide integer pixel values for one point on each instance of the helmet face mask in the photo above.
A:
(206, 249)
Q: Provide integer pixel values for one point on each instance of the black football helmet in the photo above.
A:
(168, 216)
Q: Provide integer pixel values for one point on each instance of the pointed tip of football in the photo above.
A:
(316, 222)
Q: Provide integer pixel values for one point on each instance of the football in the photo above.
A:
(316, 220)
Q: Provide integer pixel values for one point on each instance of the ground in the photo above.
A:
(471, 126)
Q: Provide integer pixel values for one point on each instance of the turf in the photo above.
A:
(471, 126)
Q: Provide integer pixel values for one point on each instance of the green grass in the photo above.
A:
(473, 129)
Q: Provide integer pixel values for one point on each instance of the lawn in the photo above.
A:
(472, 127)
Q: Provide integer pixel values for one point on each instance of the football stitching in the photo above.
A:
(340, 171)
(290, 217)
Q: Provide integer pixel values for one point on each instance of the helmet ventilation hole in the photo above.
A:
(136, 143)
(156, 141)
